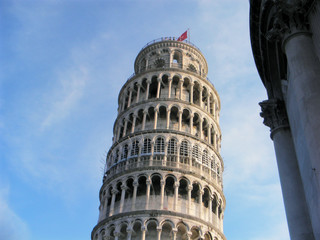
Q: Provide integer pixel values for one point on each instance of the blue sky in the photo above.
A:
(62, 65)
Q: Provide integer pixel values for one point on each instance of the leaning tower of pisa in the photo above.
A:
(163, 174)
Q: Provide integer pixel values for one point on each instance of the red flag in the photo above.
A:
(183, 36)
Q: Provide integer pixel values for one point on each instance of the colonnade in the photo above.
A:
(194, 92)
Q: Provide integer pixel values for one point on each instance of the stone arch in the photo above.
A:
(155, 188)
(174, 117)
(183, 188)
(129, 190)
(153, 87)
(186, 89)
(150, 118)
(175, 86)
(162, 117)
(207, 236)
(166, 230)
(196, 233)
(185, 122)
(143, 90)
(136, 227)
(196, 124)
(183, 230)
(151, 227)
(196, 93)
(123, 235)
(195, 192)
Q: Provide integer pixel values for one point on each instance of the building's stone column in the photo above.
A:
(210, 208)
(208, 103)
(303, 108)
(200, 95)
(134, 197)
(165, 154)
(191, 124)
(123, 103)
(129, 233)
(156, 112)
(176, 188)
(180, 120)
(168, 118)
(274, 114)
(147, 91)
(174, 231)
(214, 109)
(170, 85)
(209, 133)
(123, 194)
(116, 235)
(114, 192)
(200, 193)
(189, 198)
(133, 123)
(125, 127)
(148, 183)
(191, 92)
(158, 87)
(145, 112)
(200, 127)
(162, 183)
(130, 96)
(143, 230)
(138, 92)
(118, 133)
(159, 230)
(181, 88)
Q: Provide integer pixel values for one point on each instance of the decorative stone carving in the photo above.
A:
(274, 114)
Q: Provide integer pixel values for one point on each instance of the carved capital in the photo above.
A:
(289, 19)
(274, 114)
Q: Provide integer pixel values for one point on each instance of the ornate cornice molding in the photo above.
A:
(274, 114)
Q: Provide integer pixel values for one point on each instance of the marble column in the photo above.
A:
(134, 197)
(191, 92)
(162, 183)
(138, 92)
(275, 117)
(170, 85)
(114, 192)
(123, 194)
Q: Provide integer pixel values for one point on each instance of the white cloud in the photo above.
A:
(12, 227)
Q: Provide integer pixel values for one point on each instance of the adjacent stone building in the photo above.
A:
(285, 38)
(163, 176)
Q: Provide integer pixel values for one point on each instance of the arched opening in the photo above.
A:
(134, 148)
(207, 236)
(196, 125)
(164, 87)
(138, 125)
(142, 186)
(136, 233)
(205, 97)
(151, 230)
(169, 187)
(111, 233)
(150, 118)
(116, 156)
(174, 118)
(205, 198)
(153, 87)
(205, 129)
(175, 87)
(129, 190)
(166, 233)
(185, 121)
(162, 118)
(196, 156)
(186, 90)
(146, 149)
(183, 189)
(155, 185)
(176, 60)
(123, 232)
(182, 233)
(124, 153)
(195, 192)
(196, 93)
(129, 124)
(118, 194)
(195, 234)
(143, 89)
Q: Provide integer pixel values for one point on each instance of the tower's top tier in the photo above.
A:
(167, 52)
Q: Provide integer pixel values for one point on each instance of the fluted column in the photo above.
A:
(134, 197)
(170, 85)
(158, 87)
(162, 183)
(274, 114)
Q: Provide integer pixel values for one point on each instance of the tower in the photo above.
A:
(163, 177)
